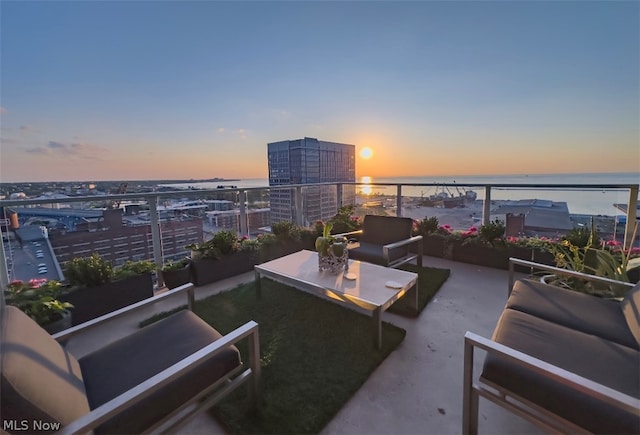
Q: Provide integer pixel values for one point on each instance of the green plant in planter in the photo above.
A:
(175, 265)
(222, 243)
(594, 258)
(583, 237)
(344, 221)
(249, 245)
(285, 230)
(38, 299)
(133, 268)
(492, 232)
(428, 225)
(89, 271)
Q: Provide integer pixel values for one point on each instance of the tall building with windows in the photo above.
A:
(306, 161)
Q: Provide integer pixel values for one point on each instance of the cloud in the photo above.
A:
(3, 110)
(239, 132)
(26, 129)
(54, 145)
(74, 150)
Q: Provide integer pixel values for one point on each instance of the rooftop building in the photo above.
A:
(307, 161)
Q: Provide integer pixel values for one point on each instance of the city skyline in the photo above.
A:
(195, 90)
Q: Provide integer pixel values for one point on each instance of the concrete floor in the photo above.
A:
(418, 388)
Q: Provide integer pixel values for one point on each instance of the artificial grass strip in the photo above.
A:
(315, 355)
(430, 279)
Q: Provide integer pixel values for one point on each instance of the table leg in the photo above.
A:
(414, 298)
(377, 328)
(258, 285)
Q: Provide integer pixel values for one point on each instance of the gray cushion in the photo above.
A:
(631, 310)
(382, 230)
(118, 367)
(589, 356)
(579, 311)
(373, 253)
(41, 381)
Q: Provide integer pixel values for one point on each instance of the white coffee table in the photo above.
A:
(367, 292)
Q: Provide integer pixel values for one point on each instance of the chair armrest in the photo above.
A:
(554, 373)
(68, 333)
(141, 391)
(559, 271)
(350, 233)
(404, 242)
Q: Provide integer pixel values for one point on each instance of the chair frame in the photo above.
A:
(385, 249)
(533, 413)
(246, 373)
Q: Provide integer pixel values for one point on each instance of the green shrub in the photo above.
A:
(492, 232)
(285, 230)
(89, 271)
(38, 299)
(133, 268)
(174, 265)
(428, 225)
(222, 243)
(344, 221)
(582, 237)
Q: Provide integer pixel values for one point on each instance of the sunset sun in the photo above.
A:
(366, 153)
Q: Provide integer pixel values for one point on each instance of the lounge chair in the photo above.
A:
(155, 379)
(566, 361)
(385, 240)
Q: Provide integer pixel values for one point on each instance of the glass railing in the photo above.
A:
(41, 235)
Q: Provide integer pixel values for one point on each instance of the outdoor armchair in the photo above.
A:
(386, 240)
(153, 380)
(564, 360)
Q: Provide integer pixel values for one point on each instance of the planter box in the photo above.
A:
(177, 277)
(64, 322)
(280, 249)
(91, 302)
(434, 246)
(208, 270)
(481, 255)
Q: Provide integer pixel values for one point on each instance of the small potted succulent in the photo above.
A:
(38, 299)
(332, 251)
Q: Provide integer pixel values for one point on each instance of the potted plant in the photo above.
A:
(38, 299)
(590, 255)
(96, 288)
(287, 238)
(176, 273)
(220, 257)
(345, 221)
(434, 237)
(333, 254)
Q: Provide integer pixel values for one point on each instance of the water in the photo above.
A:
(579, 201)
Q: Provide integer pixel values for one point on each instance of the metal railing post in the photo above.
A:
(4, 271)
(486, 206)
(244, 228)
(632, 214)
(298, 215)
(156, 238)
(399, 200)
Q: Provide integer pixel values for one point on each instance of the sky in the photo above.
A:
(133, 90)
